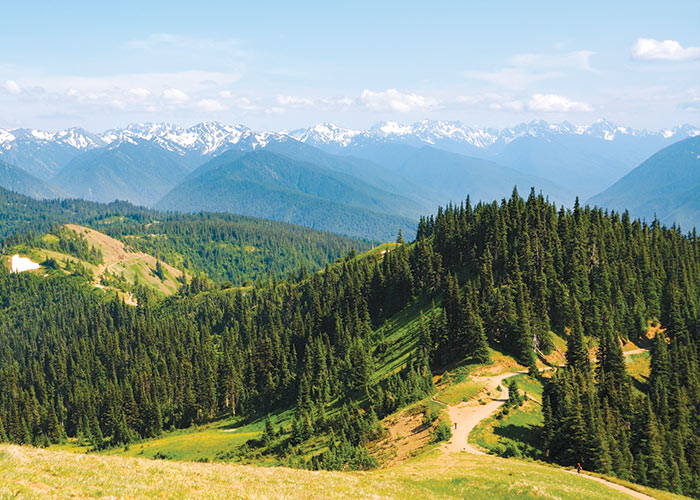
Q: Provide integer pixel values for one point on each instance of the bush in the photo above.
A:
(441, 433)
(508, 450)
(430, 416)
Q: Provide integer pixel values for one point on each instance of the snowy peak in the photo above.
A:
(6, 136)
(325, 133)
(76, 138)
(431, 132)
(207, 138)
(212, 138)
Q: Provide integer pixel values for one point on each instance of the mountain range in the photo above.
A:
(365, 183)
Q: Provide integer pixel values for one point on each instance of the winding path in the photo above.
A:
(468, 415)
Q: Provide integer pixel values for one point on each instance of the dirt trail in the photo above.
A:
(467, 416)
(635, 351)
(615, 486)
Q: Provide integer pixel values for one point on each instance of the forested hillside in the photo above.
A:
(501, 274)
(18, 180)
(225, 247)
(232, 248)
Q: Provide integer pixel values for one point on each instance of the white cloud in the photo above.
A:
(649, 49)
(506, 106)
(393, 100)
(12, 87)
(140, 92)
(491, 100)
(134, 92)
(295, 102)
(210, 105)
(548, 103)
(175, 96)
(321, 103)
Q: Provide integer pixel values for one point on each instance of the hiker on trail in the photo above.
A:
(455, 425)
(578, 467)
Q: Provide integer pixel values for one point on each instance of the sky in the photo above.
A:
(286, 65)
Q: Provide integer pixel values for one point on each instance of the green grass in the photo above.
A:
(31, 473)
(198, 443)
(399, 336)
(461, 391)
(638, 368)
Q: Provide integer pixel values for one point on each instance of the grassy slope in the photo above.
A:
(30, 473)
(118, 261)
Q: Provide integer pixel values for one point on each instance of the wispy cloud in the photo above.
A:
(315, 103)
(522, 70)
(576, 60)
(550, 103)
(393, 100)
(160, 41)
(649, 49)
(513, 78)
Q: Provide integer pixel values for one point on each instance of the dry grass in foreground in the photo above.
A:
(29, 473)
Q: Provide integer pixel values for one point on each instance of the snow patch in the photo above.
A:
(6, 136)
(22, 264)
(41, 135)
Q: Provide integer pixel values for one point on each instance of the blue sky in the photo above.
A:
(275, 65)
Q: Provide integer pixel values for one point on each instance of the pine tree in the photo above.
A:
(576, 349)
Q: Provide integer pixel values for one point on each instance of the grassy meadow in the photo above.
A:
(32, 473)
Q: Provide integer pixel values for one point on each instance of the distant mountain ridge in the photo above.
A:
(273, 186)
(33, 149)
(137, 171)
(585, 159)
(392, 172)
(22, 182)
(665, 186)
(433, 132)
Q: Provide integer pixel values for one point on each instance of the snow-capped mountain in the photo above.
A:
(44, 153)
(537, 146)
(326, 133)
(431, 132)
(586, 159)
(74, 137)
(204, 139)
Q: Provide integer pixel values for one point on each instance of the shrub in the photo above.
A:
(441, 433)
